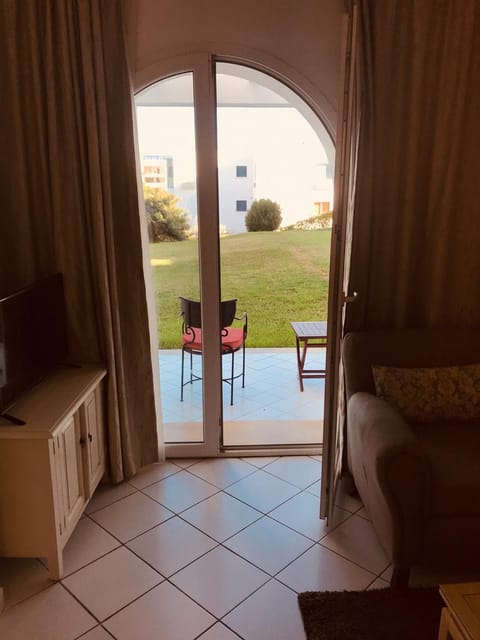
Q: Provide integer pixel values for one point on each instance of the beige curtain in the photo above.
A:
(69, 197)
(416, 235)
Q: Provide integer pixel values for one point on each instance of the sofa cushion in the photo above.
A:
(405, 348)
(453, 452)
(430, 394)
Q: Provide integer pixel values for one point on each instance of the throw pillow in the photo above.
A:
(432, 393)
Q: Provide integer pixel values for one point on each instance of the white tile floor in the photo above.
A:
(271, 409)
(197, 549)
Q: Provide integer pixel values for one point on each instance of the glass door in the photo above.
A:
(177, 151)
(275, 174)
(197, 199)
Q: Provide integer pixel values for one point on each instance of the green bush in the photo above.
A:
(263, 215)
(166, 220)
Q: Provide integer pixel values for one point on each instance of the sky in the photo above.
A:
(285, 149)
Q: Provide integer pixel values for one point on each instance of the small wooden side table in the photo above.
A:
(311, 335)
(460, 618)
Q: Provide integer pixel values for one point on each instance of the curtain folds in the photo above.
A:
(416, 237)
(70, 202)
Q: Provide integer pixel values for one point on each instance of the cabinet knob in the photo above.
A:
(82, 442)
(90, 437)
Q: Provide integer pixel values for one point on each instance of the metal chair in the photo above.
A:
(233, 339)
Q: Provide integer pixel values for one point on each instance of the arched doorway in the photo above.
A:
(229, 135)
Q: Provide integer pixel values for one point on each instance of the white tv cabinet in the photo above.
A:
(50, 467)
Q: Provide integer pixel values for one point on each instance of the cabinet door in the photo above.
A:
(93, 434)
(70, 472)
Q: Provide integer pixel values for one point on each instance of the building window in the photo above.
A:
(241, 205)
(241, 170)
(321, 207)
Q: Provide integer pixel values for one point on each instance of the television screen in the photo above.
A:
(33, 337)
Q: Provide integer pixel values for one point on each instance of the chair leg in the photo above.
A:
(181, 385)
(191, 367)
(243, 366)
(231, 378)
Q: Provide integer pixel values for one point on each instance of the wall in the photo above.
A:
(298, 40)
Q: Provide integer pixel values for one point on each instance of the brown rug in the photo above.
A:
(380, 614)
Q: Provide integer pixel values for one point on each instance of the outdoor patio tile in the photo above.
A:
(315, 488)
(268, 413)
(271, 390)
(238, 411)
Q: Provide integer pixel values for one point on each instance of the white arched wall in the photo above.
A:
(297, 41)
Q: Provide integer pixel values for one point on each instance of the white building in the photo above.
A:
(157, 171)
(236, 191)
(270, 145)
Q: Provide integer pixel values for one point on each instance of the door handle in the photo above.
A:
(348, 299)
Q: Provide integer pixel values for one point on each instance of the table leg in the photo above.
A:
(299, 363)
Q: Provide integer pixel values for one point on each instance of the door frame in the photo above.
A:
(345, 168)
(202, 66)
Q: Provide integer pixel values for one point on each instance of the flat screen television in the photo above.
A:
(33, 337)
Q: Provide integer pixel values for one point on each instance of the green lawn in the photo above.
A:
(276, 277)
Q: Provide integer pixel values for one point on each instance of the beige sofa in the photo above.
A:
(419, 481)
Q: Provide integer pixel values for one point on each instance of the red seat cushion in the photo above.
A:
(193, 339)
(232, 341)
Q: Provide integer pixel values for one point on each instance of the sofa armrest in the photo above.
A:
(391, 473)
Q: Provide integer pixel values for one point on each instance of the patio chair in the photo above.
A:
(233, 339)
